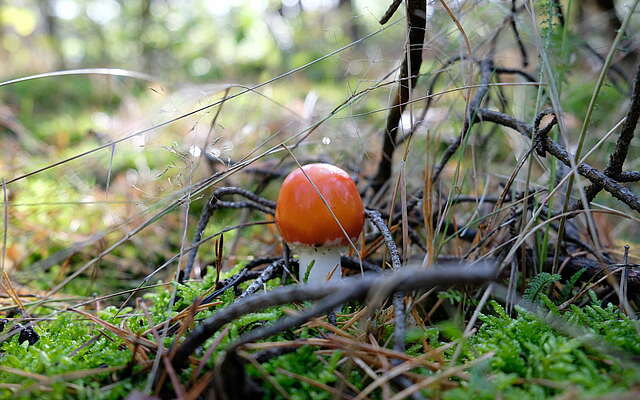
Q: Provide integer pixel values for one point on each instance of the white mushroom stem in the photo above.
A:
(326, 262)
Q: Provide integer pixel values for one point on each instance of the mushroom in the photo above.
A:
(309, 227)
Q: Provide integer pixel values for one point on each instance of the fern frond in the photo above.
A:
(571, 283)
(539, 284)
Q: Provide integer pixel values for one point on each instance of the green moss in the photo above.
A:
(531, 360)
(304, 361)
(60, 351)
(534, 361)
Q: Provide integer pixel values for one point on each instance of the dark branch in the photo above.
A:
(516, 34)
(267, 274)
(412, 60)
(616, 160)
(486, 67)
(594, 270)
(513, 71)
(594, 175)
(255, 202)
(244, 204)
(244, 275)
(356, 287)
(619, 155)
(376, 218)
(399, 332)
(393, 7)
(354, 265)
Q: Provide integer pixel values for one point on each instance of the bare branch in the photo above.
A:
(356, 288)
(412, 60)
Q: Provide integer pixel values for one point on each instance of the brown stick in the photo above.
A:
(416, 16)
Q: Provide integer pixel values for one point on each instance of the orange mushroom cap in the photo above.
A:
(301, 215)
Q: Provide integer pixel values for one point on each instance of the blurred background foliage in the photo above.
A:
(192, 39)
(194, 50)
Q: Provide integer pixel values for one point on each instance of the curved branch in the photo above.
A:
(356, 287)
(255, 202)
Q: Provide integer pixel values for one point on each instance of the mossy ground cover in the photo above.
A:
(528, 358)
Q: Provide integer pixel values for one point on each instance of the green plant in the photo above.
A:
(539, 285)
(534, 361)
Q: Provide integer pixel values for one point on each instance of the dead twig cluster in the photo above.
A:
(328, 295)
